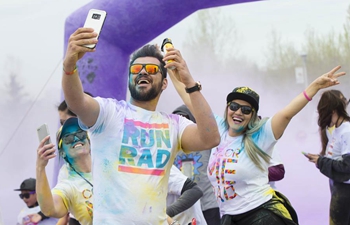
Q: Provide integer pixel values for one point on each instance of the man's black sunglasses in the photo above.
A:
(26, 195)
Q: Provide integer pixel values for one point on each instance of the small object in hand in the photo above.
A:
(167, 43)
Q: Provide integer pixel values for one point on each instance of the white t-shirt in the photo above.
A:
(132, 153)
(176, 183)
(238, 183)
(338, 142)
(22, 218)
(76, 194)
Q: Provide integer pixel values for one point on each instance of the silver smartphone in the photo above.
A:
(43, 131)
(95, 20)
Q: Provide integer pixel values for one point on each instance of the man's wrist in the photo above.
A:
(196, 87)
(68, 66)
(70, 72)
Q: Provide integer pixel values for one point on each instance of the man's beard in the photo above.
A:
(143, 95)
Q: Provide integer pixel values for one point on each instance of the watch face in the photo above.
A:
(199, 85)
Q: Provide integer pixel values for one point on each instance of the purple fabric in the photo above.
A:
(276, 173)
(128, 26)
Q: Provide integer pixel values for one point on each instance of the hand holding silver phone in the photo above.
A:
(95, 20)
(43, 131)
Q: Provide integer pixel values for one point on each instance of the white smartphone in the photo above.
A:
(43, 131)
(95, 20)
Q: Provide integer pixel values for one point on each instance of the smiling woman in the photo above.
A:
(73, 192)
(238, 166)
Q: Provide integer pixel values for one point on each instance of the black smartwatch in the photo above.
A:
(196, 87)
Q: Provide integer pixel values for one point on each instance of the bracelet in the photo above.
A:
(306, 96)
(72, 72)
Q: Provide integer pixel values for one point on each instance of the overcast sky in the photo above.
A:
(32, 34)
(32, 31)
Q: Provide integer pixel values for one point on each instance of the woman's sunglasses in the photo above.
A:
(234, 106)
(26, 195)
(69, 138)
(150, 68)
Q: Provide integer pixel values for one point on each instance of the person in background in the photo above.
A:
(133, 144)
(238, 166)
(31, 214)
(73, 192)
(64, 113)
(183, 199)
(194, 165)
(334, 159)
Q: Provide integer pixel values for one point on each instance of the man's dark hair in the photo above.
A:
(150, 51)
(63, 106)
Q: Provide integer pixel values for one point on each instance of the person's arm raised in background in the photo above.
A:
(83, 105)
(50, 205)
(282, 118)
(196, 136)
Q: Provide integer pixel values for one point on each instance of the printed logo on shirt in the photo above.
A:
(330, 147)
(145, 148)
(87, 194)
(193, 158)
(89, 208)
(225, 188)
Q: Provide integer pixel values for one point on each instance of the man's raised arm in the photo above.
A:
(83, 105)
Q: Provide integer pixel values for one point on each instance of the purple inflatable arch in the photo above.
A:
(129, 25)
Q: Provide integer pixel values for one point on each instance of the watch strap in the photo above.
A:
(196, 87)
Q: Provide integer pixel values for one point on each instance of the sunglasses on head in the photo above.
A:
(26, 195)
(150, 68)
(234, 106)
(69, 138)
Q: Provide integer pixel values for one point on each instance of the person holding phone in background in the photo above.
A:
(64, 113)
(334, 159)
(73, 193)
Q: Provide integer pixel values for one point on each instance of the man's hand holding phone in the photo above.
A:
(76, 49)
(84, 39)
